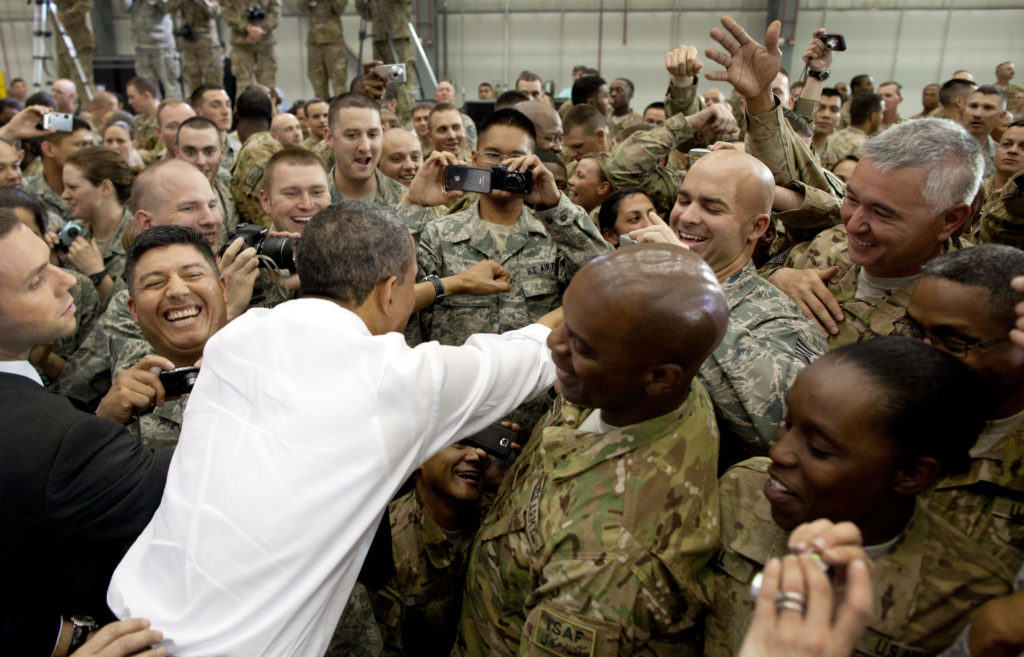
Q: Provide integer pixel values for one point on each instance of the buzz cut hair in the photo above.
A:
(992, 90)
(144, 85)
(437, 109)
(586, 87)
(289, 155)
(349, 99)
(584, 116)
(989, 266)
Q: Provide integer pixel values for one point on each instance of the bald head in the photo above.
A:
(64, 93)
(174, 192)
(285, 128)
(546, 122)
(753, 181)
(400, 155)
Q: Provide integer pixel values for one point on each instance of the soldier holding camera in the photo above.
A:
(198, 42)
(252, 40)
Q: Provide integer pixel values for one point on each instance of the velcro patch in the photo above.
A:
(253, 178)
(563, 636)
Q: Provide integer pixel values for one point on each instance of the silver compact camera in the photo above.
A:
(395, 73)
(58, 122)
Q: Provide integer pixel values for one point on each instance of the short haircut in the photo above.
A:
(120, 116)
(528, 76)
(141, 197)
(57, 138)
(143, 84)
(586, 87)
(609, 211)
(442, 107)
(629, 83)
(160, 236)
(297, 107)
(199, 123)
(585, 116)
(485, 84)
(21, 80)
(798, 123)
(196, 99)
(917, 386)
(349, 247)
(1019, 123)
(899, 87)
(831, 93)
(254, 104)
(41, 98)
(424, 104)
(589, 70)
(288, 155)
(98, 163)
(658, 104)
(863, 105)
(990, 266)
(509, 117)
(8, 221)
(347, 100)
(992, 90)
(13, 198)
(859, 80)
(314, 100)
(510, 98)
(10, 103)
(170, 102)
(955, 88)
(950, 157)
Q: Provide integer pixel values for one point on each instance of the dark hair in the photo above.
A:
(510, 98)
(41, 98)
(989, 266)
(442, 107)
(8, 221)
(510, 117)
(254, 104)
(831, 93)
(930, 403)
(609, 211)
(589, 70)
(955, 88)
(632, 87)
(424, 104)
(99, 163)
(485, 84)
(586, 87)
(1019, 123)
(798, 123)
(991, 90)
(144, 84)
(316, 99)
(656, 105)
(196, 99)
(13, 198)
(57, 138)
(199, 123)
(859, 80)
(161, 236)
(528, 76)
(288, 155)
(10, 103)
(349, 247)
(586, 116)
(346, 100)
(548, 157)
(863, 105)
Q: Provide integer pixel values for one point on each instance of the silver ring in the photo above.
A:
(791, 605)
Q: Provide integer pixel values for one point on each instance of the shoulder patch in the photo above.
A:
(253, 178)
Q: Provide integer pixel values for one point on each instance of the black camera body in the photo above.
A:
(279, 250)
(255, 13)
(835, 42)
(67, 236)
(496, 440)
(186, 32)
(179, 381)
(483, 180)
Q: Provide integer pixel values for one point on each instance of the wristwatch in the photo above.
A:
(819, 75)
(83, 626)
(438, 286)
(98, 277)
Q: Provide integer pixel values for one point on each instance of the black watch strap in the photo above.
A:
(98, 277)
(438, 286)
(819, 75)
(83, 626)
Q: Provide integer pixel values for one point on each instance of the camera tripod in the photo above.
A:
(40, 33)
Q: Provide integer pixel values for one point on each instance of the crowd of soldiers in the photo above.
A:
(832, 334)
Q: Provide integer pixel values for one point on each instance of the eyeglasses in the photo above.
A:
(494, 157)
(954, 345)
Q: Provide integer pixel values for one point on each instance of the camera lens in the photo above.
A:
(281, 250)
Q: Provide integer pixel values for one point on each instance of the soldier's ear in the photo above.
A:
(143, 219)
(664, 379)
(915, 475)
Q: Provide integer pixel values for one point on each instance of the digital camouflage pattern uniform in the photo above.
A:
(247, 177)
(619, 123)
(767, 343)
(357, 634)
(252, 61)
(201, 62)
(594, 543)
(57, 212)
(155, 54)
(75, 15)
(420, 606)
(326, 59)
(114, 254)
(87, 311)
(842, 143)
(147, 134)
(160, 425)
(1001, 218)
(927, 586)
(987, 502)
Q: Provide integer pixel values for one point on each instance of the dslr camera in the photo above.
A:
(255, 13)
(67, 236)
(395, 73)
(278, 250)
(483, 180)
(186, 32)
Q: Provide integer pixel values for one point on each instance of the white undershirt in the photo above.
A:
(594, 424)
(868, 285)
(994, 431)
(21, 368)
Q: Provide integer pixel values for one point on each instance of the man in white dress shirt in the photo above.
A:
(304, 422)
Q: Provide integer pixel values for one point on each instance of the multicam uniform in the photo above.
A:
(201, 62)
(393, 16)
(1001, 222)
(74, 14)
(619, 123)
(247, 177)
(767, 343)
(252, 61)
(147, 135)
(594, 543)
(927, 585)
(326, 59)
(842, 143)
(226, 204)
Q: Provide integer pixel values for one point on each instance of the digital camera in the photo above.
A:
(834, 42)
(179, 381)
(58, 122)
(255, 13)
(483, 180)
(279, 250)
(395, 73)
(67, 235)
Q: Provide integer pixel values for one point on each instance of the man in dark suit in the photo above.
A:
(76, 489)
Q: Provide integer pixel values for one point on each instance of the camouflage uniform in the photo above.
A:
(389, 192)
(988, 153)
(57, 212)
(87, 310)
(471, 133)
(201, 62)
(147, 135)
(155, 54)
(247, 177)
(252, 61)
(231, 149)
(619, 123)
(934, 114)
(594, 543)
(961, 647)
(160, 425)
(326, 59)
(767, 343)
(986, 503)
(226, 205)
(395, 19)
(357, 634)
(842, 143)
(420, 606)
(927, 585)
(997, 224)
(74, 14)
(113, 251)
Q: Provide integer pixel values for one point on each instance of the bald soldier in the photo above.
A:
(721, 212)
(400, 156)
(285, 128)
(546, 122)
(593, 543)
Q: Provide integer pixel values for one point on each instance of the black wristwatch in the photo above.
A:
(83, 626)
(438, 286)
(819, 75)
(98, 277)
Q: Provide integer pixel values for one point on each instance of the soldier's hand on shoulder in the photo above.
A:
(136, 389)
(683, 66)
(807, 287)
(427, 187)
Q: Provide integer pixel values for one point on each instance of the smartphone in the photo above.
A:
(57, 121)
(179, 381)
(834, 42)
(496, 440)
(467, 179)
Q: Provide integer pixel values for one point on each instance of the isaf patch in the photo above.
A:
(563, 636)
(253, 178)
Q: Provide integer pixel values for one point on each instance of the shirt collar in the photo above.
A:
(21, 368)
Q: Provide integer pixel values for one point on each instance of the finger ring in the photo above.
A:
(790, 600)
(791, 605)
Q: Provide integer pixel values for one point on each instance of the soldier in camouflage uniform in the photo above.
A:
(74, 14)
(155, 54)
(252, 41)
(247, 177)
(201, 62)
(357, 634)
(994, 613)
(394, 20)
(867, 118)
(595, 539)
(1001, 217)
(326, 59)
(48, 185)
